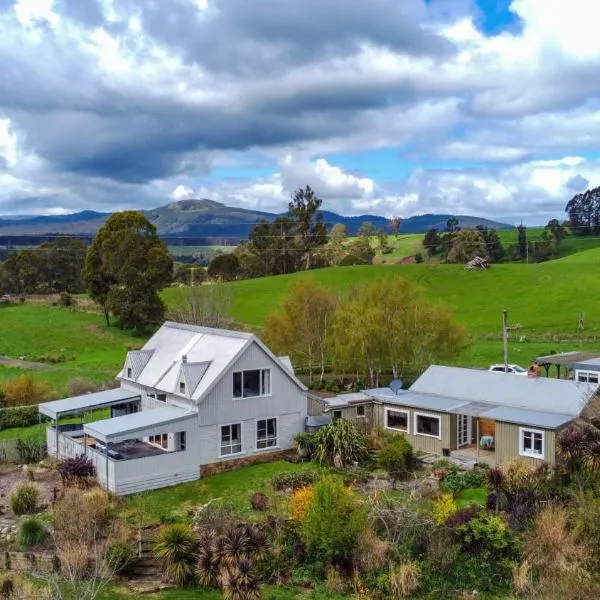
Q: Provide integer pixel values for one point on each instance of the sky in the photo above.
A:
(392, 107)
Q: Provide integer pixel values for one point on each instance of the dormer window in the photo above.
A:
(128, 372)
(181, 387)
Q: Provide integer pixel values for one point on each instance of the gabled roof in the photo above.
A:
(137, 360)
(208, 355)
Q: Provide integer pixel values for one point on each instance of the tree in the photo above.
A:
(395, 223)
(189, 274)
(493, 244)
(452, 225)
(359, 252)
(557, 230)
(310, 230)
(522, 242)
(584, 212)
(224, 267)
(337, 239)
(367, 229)
(206, 305)
(396, 457)
(467, 244)
(431, 241)
(382, 242)
(544, 247)
(299, 328)
(387, 326)
(126, 266)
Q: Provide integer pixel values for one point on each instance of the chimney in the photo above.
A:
(184, 358)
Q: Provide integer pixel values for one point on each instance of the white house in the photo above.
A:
(191, 399)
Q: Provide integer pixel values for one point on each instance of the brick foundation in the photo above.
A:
(244, 461)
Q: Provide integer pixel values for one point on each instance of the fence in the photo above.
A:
(8, 451)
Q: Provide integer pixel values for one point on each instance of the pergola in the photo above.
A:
(564, 360)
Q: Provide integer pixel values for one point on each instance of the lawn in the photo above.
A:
(472, 496)
(233, 487)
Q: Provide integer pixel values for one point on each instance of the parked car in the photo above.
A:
(514, 369)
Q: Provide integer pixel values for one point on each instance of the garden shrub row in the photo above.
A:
(21, 416)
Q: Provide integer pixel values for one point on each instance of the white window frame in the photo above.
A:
(528, 453)
(429, 435)
(221, 455)
(182, 391)
(267, 438)
(389, 409)
(261, 379)
(586, 376)
(151, 439)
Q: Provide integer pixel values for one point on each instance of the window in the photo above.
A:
(427, 425)
(181, 387)
(587, 376)
(181, 440)
(250, 384)
(161, 397)
(162, 440)
(128, 372)
(231, 439)
(396, 420)
(360, 411)
(532, 443)
(266, 433)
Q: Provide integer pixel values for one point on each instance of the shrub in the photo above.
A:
(441, 552)
(18, 416)
(486, 536)
(396, 457)
(24, 499)
(334, 581)
(475, 478)
(294, 480)
(25, 390)
(371, 552)
(259, 501)
(419, 257)
(30, 450)
(175, 546)
(461, 517)
(76, 471)
(443, 509)
(119, 556)
(305, 443)
(98, 506)
(78, 386)
(518, 476)
(300, 502)
(404, 579)
(65, 300)
(32, 532)
(333, 522)
(452, 482)
(339, 441)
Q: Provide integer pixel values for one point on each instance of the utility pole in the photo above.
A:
(505, 339)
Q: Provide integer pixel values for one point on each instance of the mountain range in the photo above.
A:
(206, 222)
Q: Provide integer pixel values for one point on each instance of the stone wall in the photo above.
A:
(30, 562)
(244, 461)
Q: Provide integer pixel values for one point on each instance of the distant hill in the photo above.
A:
(200, 222)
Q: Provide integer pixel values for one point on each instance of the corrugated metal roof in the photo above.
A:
(413, 400)
(138, 359)
(535, 418)
(592, 364)
(286, 361)
(345, 399)
(318, 420)
(530, 393)
(193, 373)
(79, 404)
(566, 358)
(137, 424)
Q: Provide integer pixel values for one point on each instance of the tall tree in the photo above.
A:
(467, 244)
(300, 326)
(395, 223)
(224, 267)
(367, 229)
(337, 239)
(386, 326)
(126, 266)
(310, 230)
(557, 230)
(452, 225)
(431, 241)
(584, 212)
(493, 243)
(522, 241)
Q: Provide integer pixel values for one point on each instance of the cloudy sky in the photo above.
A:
(486, 107)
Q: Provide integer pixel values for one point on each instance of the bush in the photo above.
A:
(32, 532)
(259, 501)
(175, 546)
(333, 522)
(25, 390)
(339, 441)
(300, 502)
(119, 556)
(396, 457)
(452, 482)
(475, 478)
(518, 476)
(65, 300)
(19, 416)
(404, 579)
(78, 386)
(419, 257)
(294, 480)
(24, 499)
(76, 471)
(486, 536)
(443, 509)
(30, 450)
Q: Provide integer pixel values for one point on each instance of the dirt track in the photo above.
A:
(23, 364)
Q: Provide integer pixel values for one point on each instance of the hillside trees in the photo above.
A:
(126, 266)
(300, 326)
(467, 244)
(224, 267)
(584, 212)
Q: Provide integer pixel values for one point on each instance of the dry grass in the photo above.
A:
(404, 579)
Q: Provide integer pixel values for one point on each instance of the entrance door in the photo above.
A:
(464, 430)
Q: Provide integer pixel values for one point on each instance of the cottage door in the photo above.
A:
(464, 430)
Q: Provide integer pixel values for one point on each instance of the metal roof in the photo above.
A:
(566, 358)
(286, 361)
(138, 424)
(413, 400)
(79, 404)
(592, 364)
(536, 418)
(342, 400)
(560, 396)
(216, 348)
(318, 420)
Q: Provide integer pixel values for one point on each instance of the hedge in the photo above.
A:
(20, 416)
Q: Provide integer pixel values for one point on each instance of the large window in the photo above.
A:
(161, 439)
(266, 433)
(250, 384)
(396, 420)
(587, 376)
(531, 442)
(159, 397)
(231, 439)
(428, 425)
(360, 410)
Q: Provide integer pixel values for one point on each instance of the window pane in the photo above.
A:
(360, 411)
(236, 448)
(397, 420)
(271, 427)
(261, 429)
(162, 397)
(527, 440)
(251, 384)
(236, 432)
(593, 377)
(225, 434)
(428, 425)
(237, 385)
(266, 382)
(537, 443)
